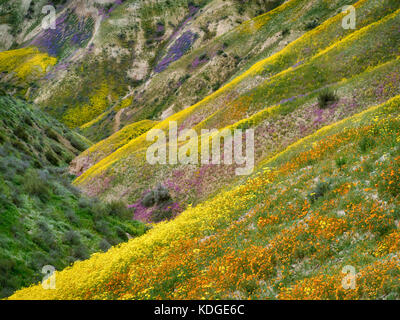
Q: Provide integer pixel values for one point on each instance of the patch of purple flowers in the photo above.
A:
(177, 50)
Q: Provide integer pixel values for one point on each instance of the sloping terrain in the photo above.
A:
(212, 62)
(106, 49)
(20, 20)
(327, 202)
(44, 220)
(164, 56)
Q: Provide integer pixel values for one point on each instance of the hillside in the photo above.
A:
(214, 60)
(276, 97)
(329, 201)
(44, 219)
(78, 190)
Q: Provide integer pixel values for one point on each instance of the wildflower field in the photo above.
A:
(318, 217)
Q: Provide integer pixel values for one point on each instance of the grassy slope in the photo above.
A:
(327, 202)
(44, 219)
(187, 81)
(286, 99)
(184, 83)
(125, 50)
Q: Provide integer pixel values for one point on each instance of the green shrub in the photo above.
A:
(39, 210)
(28, 120)
(21, 146)
(121, 234)
(45, 240)
(72, 217)
(102, 227)
(52, 134)
(99, 211)
(6, 265)
(161, 214)
(20, 165)
(389, 180)
(17, 200)
(68, 157)
(84, 203)
(161, 195)
(285, 32)
(7, 285)
(311, 24)
(37, 260)
(326, 98)
(52, 158)
(38, 147)
(43, 226)
(5, 290)
(3, 137)
(77, 144)
(22, 133)
(148, 200)
(366, 143)
(216, 86)
(158, 196)
(81, 252)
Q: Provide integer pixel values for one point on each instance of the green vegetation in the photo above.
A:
(43, 219)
